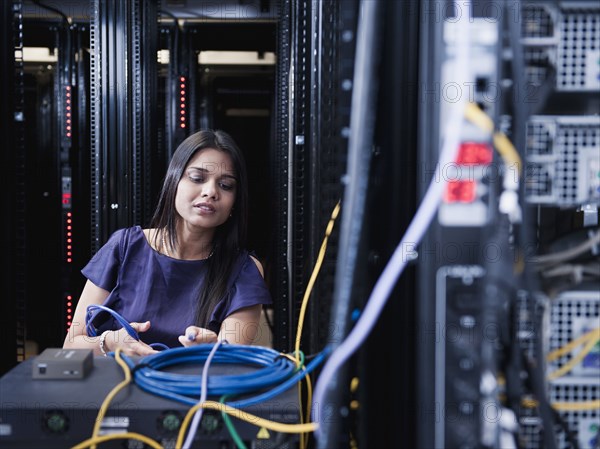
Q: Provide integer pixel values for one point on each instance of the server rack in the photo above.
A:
(543, 69)
(561, 49)
(466, 286)
(314, 66)
(123, 119)
(11, 112)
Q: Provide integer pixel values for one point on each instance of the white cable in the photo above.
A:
(413, 235)
(204, 389)
(563, 256)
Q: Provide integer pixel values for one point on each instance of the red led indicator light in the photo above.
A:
(460, 192)
(474, 153)
(67, 113)
(182, 102)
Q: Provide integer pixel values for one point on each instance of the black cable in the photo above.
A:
(536, 369)
(362, 130)
(514, 366)
(530, 282)
(569, 434)
(53, 9)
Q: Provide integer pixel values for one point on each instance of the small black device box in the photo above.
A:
(58, 363)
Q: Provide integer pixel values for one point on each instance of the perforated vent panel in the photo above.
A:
(537, 65)
(563, 155)
(537, 22)
(579, 44)
(572, 314)
(564, 40)
(583, 423)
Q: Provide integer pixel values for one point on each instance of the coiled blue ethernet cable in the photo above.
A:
(274, 371)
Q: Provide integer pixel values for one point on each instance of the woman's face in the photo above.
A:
(206, 192)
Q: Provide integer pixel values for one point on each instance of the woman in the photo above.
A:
(187, 279)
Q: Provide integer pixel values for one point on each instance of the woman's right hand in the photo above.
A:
(195, 335)
(129, 345)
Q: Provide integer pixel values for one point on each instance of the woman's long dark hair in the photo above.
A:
(229, 238)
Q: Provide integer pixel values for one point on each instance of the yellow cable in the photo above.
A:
(479, 118)
(594, 334)
(574, 361)
(95, 439)
(118, 436)
(110, 396)
(304, 436)
(307, 292)
(508, 152)
(529, 403)
(503, 145)
(576, 406)
(313, 277)
(308, 396)
(244, 416)
(288, 356)
(565, 406)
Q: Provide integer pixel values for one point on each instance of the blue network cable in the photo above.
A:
(92, 312)
(275, 371)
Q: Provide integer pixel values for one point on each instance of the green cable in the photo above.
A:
(234, 435)
(299, 367)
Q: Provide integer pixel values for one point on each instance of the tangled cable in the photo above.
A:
(185, 388)
(92, 312)
(276, 373)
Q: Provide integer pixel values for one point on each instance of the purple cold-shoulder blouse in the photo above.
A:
(146, 285)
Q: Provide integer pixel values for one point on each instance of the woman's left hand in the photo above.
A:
(195, 335)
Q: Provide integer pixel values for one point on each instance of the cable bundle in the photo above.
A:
(185, 388)
(92, 312)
